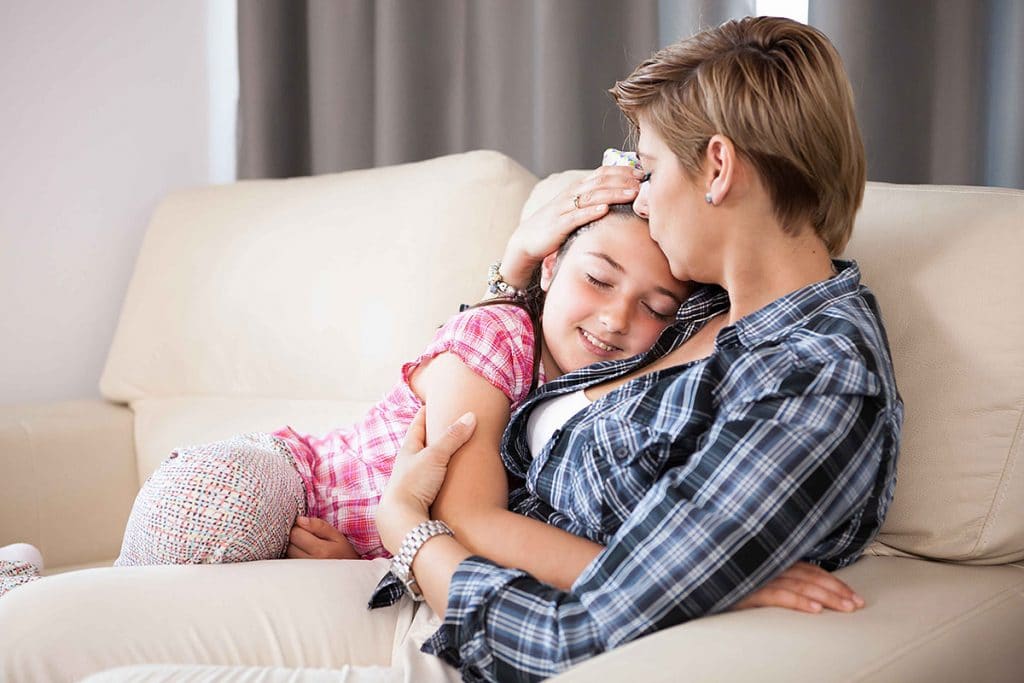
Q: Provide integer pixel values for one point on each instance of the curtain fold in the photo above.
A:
(331, 86)
(939, 86)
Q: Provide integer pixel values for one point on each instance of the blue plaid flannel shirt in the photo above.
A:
(704, 481)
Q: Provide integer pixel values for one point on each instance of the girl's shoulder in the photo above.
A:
(495, 341)
(497, 330)
(499, 317)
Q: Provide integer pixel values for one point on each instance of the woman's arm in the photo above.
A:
(473, 501)
(652, 575)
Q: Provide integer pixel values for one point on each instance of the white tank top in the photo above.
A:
(550, 415)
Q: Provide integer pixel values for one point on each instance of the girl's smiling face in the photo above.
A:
(609, 295)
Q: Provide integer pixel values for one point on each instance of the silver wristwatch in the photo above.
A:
(401, 563)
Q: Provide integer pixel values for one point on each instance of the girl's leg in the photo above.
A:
(229, 501)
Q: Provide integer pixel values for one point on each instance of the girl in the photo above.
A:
(237, 500)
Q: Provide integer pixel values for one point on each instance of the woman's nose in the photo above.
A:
(640, 203)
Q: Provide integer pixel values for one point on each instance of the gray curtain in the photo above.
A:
(331, 85)
(939, 86)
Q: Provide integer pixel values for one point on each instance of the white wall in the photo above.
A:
(104, 108)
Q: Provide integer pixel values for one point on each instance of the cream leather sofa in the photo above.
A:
(294, 301)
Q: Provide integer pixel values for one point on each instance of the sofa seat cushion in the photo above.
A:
(924, 621)
(272, 613)
(162, 424)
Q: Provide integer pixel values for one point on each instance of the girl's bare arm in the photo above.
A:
(474, 497)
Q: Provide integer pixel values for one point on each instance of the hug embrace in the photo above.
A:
(671, 410)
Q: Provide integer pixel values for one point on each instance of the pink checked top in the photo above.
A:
(345, 470)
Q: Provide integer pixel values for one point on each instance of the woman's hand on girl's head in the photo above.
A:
(804, 587)
(544, 231)
(313, 538)
(417, 477)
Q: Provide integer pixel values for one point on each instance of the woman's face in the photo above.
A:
(609, 296)
(674, 207)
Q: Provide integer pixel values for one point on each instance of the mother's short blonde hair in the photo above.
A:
(778, 90)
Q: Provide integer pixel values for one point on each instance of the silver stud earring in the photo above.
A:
(708, 199)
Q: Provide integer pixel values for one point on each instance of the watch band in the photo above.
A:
(401, 563)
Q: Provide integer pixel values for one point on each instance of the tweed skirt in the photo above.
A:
(14, 574)
(229, 501)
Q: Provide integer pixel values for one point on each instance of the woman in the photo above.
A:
(763, 426)
(760, 430)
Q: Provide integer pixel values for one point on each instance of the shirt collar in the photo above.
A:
(774, 320)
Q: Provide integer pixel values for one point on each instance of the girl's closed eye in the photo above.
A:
(658, 315)
(597, 283)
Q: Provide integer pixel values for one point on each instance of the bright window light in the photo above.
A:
(222, 64)
(793, 9)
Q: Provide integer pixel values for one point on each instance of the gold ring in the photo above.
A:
(576, 200)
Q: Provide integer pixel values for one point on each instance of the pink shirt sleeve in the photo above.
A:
(495, 342)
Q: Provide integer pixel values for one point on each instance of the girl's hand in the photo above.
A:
(544, 231)
(313, 538)
(805, 588)
(417, 477)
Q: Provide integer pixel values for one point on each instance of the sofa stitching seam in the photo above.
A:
(1002, 488)
(986, 606)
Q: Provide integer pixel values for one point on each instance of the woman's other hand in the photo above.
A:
(417, 477)
(805, 588)
(313, 538)
(544, 231)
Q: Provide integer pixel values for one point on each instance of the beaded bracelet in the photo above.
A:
(496, 283)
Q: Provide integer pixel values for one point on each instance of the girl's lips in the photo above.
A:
(585, 339)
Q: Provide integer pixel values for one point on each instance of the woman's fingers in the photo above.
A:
(454, 437)
(542, 232)
(775, 596)
(607, 185)
(600, 196)
(816, 593)
(416, 436)
(825, 581)
(807, 588)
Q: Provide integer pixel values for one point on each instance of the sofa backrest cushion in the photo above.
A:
(312, 288)
(945, 264)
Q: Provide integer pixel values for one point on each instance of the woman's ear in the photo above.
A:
(719, 168)
(547, 270)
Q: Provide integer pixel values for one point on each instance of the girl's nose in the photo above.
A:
(615, 317)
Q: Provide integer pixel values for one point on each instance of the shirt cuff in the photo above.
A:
(461, 641)
(389, 590)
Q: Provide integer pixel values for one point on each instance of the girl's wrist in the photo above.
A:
(516, 266)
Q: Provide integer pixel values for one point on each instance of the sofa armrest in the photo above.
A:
(67, 478)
